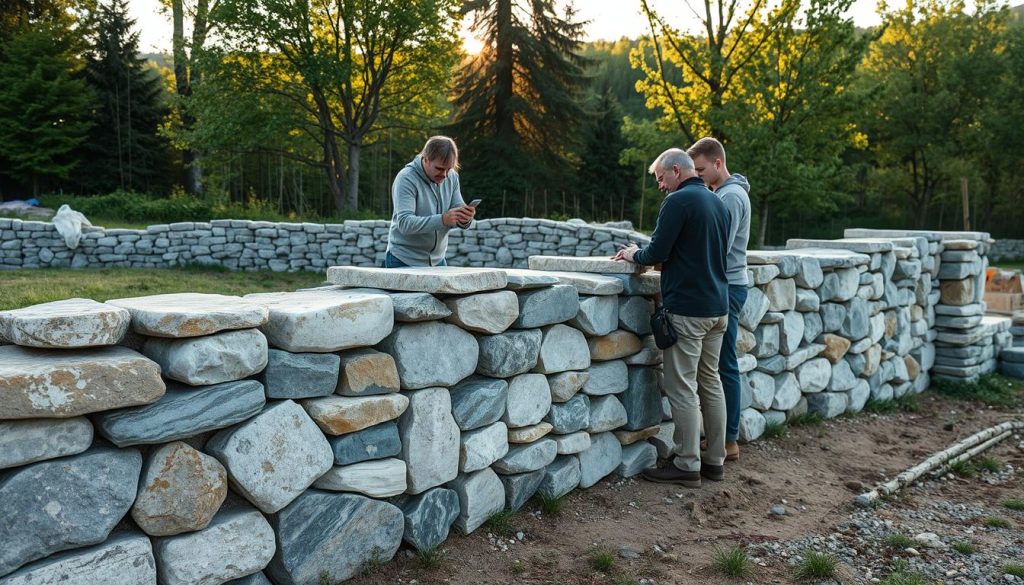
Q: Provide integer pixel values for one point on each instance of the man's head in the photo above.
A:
(671, 168)
(709, 161)
(440, 155)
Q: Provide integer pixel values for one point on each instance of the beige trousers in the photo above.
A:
(694, 390)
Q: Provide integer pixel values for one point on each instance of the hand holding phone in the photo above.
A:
(475, 202)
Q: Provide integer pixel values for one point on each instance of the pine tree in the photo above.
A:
(518, 103)
(600, 170)
(124, 150)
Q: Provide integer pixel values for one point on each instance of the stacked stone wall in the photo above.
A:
(285, 436)
(1005, 249)
(263, 245)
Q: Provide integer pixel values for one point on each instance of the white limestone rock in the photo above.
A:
(787, 391)
(431, 354)
(814, 375)
(482, 447)
(491, 312)
(212, 359)
(606, 414)
(752, 425)
(381, 478)
(430, 439)
(178, 315)
(235, 544)
(529, 399)
(325, 320)
(429, 279)
(124, 559)
(562, 348)
(67, 324)
(572, 443)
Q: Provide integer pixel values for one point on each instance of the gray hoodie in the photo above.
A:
(418, 237)
(733, 192)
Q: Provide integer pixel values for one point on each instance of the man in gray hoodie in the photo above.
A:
(709, 161)
(428, 203)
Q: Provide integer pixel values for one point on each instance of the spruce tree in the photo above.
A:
(124, 150)
(518, 103)
(600, 170)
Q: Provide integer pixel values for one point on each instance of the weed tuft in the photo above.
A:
(1015, 569)
(992, 389)
(431, 558)
(501, 523)
(899, 541)
(808, 419)
(816, 566)
(990, 464)
(964, 548)
(732, 562)
(774, 431)
(963, 469)
(549, 505)
(997, 522)
(601, 559)
(1015, 505)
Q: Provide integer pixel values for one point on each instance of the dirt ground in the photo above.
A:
(659, 534)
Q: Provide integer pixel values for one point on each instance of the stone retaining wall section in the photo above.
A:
(1005, 249)
(263, 245)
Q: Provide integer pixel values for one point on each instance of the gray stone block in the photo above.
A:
(642, 399)
(27, 441)
(561, 476)
(520, 487)
(603, 456)
(375, 442)
(509, 354)
(527, 457)
(636, 458)
(478, 401)
(635, 315)
(430, 439)
(598, 315)
(300, 375)
(481, 495)
(429, 517)
(547, 306)
(570, 416)
(124, 559)
(236, 543)
(423, 362)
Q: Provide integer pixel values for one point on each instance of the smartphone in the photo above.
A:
(475, 202)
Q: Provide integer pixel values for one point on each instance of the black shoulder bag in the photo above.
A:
(664, 334)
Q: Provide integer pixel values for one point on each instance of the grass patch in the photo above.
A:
(964, 548)
(1015, 569)
(807, 419)
(963, 469)
(907, 403)
(501, 523)
(431, 558)
(625, 580)
(550, 506)
(899, 541)
(816, 566)
(1015, 505)
(518, 566)
(774, 431)
(732, 562)
(22, 288)
(904, 577)
(373, 565)
(990, 464)
(996, 522)
(601, 559)
(992, 389)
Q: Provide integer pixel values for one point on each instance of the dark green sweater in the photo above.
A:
(691, 240)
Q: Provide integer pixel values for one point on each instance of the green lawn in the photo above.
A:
(21, 288)
(1010, 265)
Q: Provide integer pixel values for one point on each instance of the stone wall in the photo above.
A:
(1006, 250)
(262, 245)
(285, 436)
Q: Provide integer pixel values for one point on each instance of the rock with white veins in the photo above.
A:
(236, 543)
(481, 495)
(221, 357)
(491, 312)
(430, 439)
(598, 315)
(123, 559)
(562, 348)
(190, 314)
(482, 447)
(325, 320)
(380, 478)
(508, 354)
(431, 354)
(67, 324)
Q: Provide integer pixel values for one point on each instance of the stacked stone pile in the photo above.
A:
(1005, 249)
(264, 245)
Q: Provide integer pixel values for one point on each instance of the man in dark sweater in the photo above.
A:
(690, 240)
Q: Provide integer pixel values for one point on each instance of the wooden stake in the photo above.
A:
(965, 199)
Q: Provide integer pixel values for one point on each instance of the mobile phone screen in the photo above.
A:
(475, 202)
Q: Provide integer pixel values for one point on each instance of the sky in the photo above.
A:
(609, 19)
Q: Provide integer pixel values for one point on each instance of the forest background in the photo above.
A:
(304, 110)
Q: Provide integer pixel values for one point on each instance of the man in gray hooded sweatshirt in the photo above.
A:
(709, 161)
(428, 203)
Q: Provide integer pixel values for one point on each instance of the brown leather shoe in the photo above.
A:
(712, 472)
(672, 474)
(732, 451)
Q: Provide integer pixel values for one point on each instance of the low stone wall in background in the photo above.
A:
(1006, 250)
(264, 245)
(289, 437)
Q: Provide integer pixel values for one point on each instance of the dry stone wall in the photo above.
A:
(264, 245)
(281, 437)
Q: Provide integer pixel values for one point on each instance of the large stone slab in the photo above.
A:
(610, 377)
(478, 401)
(859, 245)
(429, 279)
(508, 354)
(40, 383)
(606, 414)
(481, 495)
(300, 375)
(594, 264)
(491, 312)
(71, 323)
(180, 490)
(527, 457)
(429, 517)
(366, 372)
(636, 458)
(330, 537)
(274, 456)
(27, 441)
(221, 357)
(635, 315)
(325, 320)
(380, 478)
(642, 399)
(754, 308)
(376, 442)
(647, 284)
(827, 404)
(431, 354)
(570, 416)
(547, 306)
(617, 344)
(182, 412)
(190, 314)
(598, 315)
(413, 307)
(430, 439)
(562, 348)
(482, 447)
(338, 415)
(65, 503)
(520, 279)
(529, 399)
(603, 456)
(236, 543)
(124, 559)
(520, 487)
(587, 284)
(560, 477)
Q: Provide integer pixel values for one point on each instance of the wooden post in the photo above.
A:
(965, 199)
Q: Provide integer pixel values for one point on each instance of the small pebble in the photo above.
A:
(777, 511)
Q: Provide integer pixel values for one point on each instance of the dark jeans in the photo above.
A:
(727, 366)
(391, 262)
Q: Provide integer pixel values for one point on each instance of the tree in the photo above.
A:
(347, 68)
(518, 103)
(44, 104)
(123, 150)
(600, 168)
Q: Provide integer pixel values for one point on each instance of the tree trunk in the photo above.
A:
(334, 168)
(352, 200)
(190, 158)
(504, 84)
(763, 231)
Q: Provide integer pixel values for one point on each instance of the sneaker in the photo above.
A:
(712, 472)
(672, 474)
(732, 451)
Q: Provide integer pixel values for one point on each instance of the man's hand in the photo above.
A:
(458, 215)
(626, 253)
